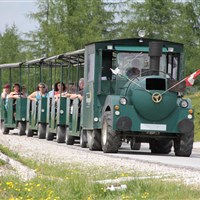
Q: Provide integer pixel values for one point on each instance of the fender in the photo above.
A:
(110, 102)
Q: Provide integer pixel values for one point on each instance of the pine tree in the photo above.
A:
(68, 25)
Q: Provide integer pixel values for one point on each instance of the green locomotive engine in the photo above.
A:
(133, 91)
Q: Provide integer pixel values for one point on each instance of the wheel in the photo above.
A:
(4, 129)
(69, 139)
(22, 128)
(1, 124)
(183, 146)
(94, 140)
(41, 131)
(29, 132)
(162, 146)
(120, 144)
(135, 145)
(60, 135)
(49, 136)
(110, 139)
(83, 138)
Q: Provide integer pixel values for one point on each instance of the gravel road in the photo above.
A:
(52, 152)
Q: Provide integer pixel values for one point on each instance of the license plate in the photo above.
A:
(153, 127)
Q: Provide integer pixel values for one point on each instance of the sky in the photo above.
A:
(14, 12)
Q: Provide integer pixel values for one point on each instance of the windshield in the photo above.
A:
(135, 64)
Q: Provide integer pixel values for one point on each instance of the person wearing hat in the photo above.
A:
(6, 91)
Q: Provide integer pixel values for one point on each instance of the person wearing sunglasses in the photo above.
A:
(41, 92)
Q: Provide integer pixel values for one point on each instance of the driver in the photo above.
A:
(134, 70)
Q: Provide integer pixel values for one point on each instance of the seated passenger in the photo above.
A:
(6, 91)
(41, 92)
(59, 88)
(79, 94)
(51, 92)
(16, 94)
(24, 91)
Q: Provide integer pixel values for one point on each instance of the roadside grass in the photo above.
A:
(68, 181)
(79, 187)
(195, 98)
(10, 153)
(2, 162)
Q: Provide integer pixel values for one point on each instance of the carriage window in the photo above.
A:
(172, 66)
(131, 64)
(107, 58)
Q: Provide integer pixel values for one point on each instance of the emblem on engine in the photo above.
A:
(156, 97)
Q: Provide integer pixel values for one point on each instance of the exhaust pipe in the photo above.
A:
(155, 52)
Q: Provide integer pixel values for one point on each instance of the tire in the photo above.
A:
(94, 140)
(1, 124)
(41, 130)
(29, 132)
(110, 139)
(120, 145)
(135, 145)
(161, 146)
(4, 130)
(83, 138)
(60, 135)
(22, 128)
(183, 146)
(69, 140)
(49, 136)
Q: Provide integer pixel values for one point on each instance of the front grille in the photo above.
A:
(155, 84)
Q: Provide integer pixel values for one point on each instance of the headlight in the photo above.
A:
(123, 101)
(184, 104)
(117, 112)
(96, 119)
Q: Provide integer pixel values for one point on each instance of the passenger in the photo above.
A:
(66, 87)
(16, 94)
(6, 91)
(51, 93)
(37, 95)
(24, 91)
(46, 88)
(80, 92)
(72, 88)
(59, 88)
